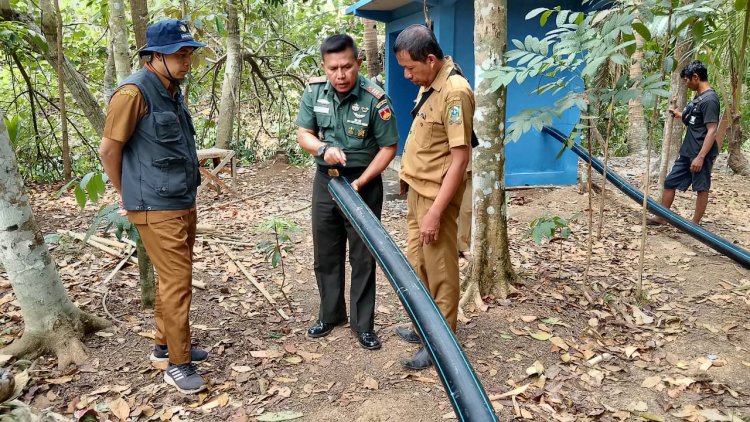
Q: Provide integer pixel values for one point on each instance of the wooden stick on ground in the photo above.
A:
(254, 281)
(96, 244)
(109, 277)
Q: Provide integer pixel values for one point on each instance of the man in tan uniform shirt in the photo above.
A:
(433, 169)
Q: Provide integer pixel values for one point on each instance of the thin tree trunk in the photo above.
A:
(76, 86)
(492, 270)
(637, 135)
(371, 48)
(52, 323)
(147, 280)
(737, 160)
(231, 79)
(67, 172)
(673, 127)
(118, 27)
(109, 75)
(139, 16)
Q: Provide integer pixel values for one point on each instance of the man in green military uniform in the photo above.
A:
(346, 122)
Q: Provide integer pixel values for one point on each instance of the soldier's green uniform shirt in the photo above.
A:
(360, 123)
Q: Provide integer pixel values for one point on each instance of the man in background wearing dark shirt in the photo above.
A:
(700, 147)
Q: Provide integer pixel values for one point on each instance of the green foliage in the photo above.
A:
(13, 126)
(273, 250)
(550, 228)
(92, 186)
(110, 215)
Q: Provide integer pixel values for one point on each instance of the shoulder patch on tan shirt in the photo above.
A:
(130, 92)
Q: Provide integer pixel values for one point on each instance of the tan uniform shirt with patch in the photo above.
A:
(126, 108)
(445, 121)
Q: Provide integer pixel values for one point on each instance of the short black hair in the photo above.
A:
(338, 43)
(419, 41)
(696, 67)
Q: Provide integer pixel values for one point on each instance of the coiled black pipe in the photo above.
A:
(469, 400)
(718, 243)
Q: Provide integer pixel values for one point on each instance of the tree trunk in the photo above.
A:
(52, 324)
(147, 280)
(109, 75)
(637, 134)
(57, 16)
(76, 86)
(492, 270)
(737, 160)
(371, 48)
(231, 83)
(118, 27)
(139, 15)
(673, 128)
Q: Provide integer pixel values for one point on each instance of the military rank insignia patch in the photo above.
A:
(385, 113)
(454, 115)
(381, 104)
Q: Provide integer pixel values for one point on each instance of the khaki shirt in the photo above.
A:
(445, 121)
(360, 123)
(126, 108)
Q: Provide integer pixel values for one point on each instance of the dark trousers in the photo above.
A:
(331, 230)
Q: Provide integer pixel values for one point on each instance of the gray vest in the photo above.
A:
(159, 161)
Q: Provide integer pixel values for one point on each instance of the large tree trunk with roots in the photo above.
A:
(371, 48)
(76, 86)
(673, 128)
(491, 269)
(139, 15)
(53, 324)
(118, 27)
(637, 135)
(230, 87)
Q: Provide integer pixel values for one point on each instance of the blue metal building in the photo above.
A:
(532, 160)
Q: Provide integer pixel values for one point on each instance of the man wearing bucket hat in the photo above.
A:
(148, 152)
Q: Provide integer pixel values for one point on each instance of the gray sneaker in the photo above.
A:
(184, 378)
(161, 354)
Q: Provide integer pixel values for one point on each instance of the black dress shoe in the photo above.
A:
(408, 335)
(321, 329)
(369, 340)
(420, 360)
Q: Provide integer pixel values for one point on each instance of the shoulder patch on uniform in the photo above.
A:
(130, 92)
(454, 115)
(375, 91)
(381, 103)
(385, 113)
(317, 80)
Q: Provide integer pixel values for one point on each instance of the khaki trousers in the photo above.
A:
(464, 218)
(436, 264)
(169, 244)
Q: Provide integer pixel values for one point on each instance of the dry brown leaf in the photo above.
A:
(308, 356)
(511, 393)
(371, 383)
(528, 318)
(560, 343)
(242, 368)
(268, 354)
(536, 369)
(61, 380)
(119, 408)
(651, 382)
(223, 399)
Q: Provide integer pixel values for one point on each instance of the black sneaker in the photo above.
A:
(184, 378)
(161, 354)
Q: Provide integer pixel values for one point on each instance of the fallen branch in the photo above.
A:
(297, 210)
(254, 281)
(234, 201)
(119, 266)
(92, 242)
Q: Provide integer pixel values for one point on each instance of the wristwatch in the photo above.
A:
(322, 150)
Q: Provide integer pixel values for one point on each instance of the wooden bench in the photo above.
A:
(219, 158)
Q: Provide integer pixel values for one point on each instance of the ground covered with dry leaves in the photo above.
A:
(544, 354)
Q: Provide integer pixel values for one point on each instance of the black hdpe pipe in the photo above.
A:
(717, 243)
(469, 400)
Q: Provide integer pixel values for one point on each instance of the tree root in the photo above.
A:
(63, 341)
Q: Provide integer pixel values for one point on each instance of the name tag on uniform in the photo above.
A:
(319, 109)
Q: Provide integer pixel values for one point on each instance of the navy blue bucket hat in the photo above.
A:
(168, 36)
